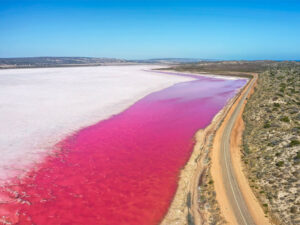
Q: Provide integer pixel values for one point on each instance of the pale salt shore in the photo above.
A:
(40, 107)
(210, 75)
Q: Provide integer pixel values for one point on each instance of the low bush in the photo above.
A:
(280, 163)
(294, 143)
(267, 124)
(285, 119)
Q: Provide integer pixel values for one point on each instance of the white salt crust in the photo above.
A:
(40, 107)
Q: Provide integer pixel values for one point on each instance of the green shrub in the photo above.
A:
(267, 124)
(297, 157)
(293, 209)
(283, 85)
(285, 119)
(279, 94)
(246, 148)
(294, 143)
(280, 163)
(280, 77)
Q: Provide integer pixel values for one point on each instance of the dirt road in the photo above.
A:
(236, 199)
(231, 185)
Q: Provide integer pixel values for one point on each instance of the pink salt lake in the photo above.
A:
(123, 170)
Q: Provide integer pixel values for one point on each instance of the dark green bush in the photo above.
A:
(283, 85)
(280, 163)
(277, 154)
(297, 157)
(293, 209)
(279, 94)
(267, 124)
(285, 119)
(294, 143)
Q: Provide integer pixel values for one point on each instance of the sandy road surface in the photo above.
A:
(234, 194)
(237, 201)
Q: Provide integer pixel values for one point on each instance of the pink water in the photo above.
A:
(123, 170)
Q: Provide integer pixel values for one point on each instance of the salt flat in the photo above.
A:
(39, 107)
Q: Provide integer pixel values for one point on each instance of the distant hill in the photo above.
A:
(222, 67)
(192, 64)
(38, 62)
(33, 62)
(170, 60)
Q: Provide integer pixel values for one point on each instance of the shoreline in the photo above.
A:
(184, 207)
(204, 74)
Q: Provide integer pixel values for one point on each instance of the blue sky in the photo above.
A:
(151, 29)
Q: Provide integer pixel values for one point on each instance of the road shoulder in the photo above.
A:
(216, 170)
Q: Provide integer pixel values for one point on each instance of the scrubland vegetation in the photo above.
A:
(271, 143)
(232, 68)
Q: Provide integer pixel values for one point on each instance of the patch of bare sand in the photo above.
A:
(235, 143)
(184, 203)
